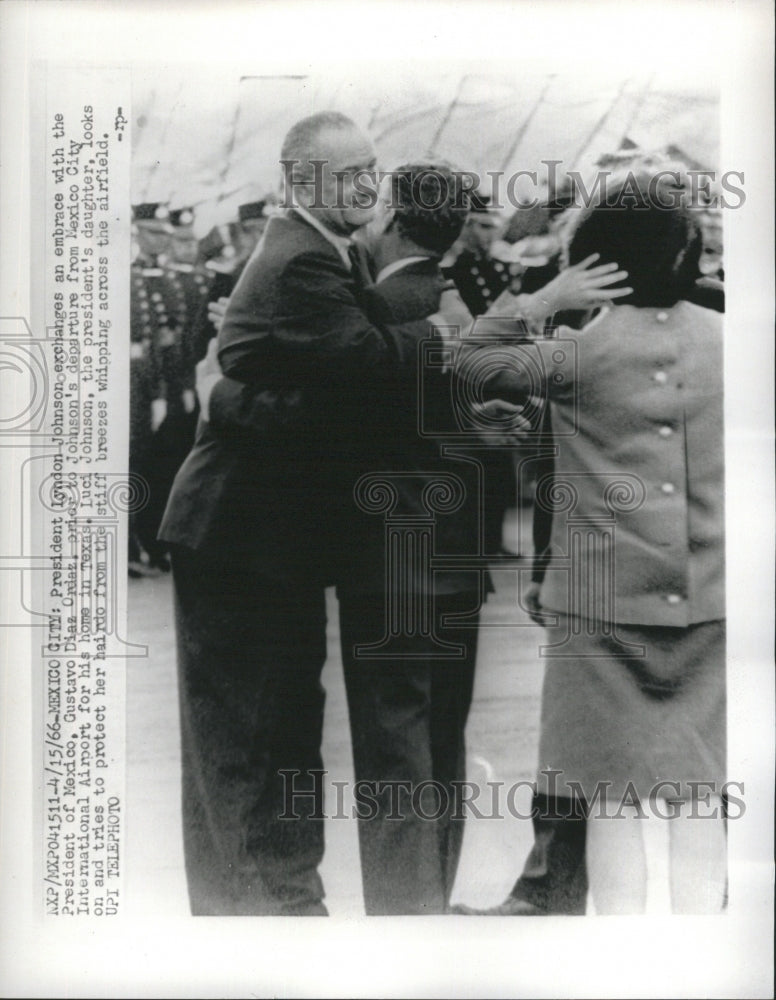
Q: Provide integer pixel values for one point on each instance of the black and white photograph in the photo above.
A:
(389, 408)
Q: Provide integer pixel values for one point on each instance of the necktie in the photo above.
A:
(359, 266)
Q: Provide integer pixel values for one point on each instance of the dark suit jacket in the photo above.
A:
(267, 483)
(399, 449)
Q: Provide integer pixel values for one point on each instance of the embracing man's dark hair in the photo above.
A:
(431, 202)
(659, 247)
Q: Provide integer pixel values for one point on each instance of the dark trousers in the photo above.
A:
(158, 464)
(554, 877)
(499, 494)
(408, 713)
(250, 655)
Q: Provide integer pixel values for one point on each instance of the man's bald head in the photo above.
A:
(327, 162)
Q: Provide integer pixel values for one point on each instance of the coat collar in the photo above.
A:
(341, 244)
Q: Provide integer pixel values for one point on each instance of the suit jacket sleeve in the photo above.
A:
(500, 360)
(317, 337)
(238, 410)
(517, 372)
(315, 329)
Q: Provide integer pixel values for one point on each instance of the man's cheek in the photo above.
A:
(360, 216)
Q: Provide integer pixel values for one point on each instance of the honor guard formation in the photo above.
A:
(174, 278)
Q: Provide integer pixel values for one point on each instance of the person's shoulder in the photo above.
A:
(299, 247)
(696, 312)
(411, 294)
(419, 277)
(597, 326)
(629, 331)
(708, 292)
(290, 247)
(694, 325)
(298, 237)
(461, 263)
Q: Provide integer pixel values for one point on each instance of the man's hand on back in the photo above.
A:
(216, 312)
(208, 373)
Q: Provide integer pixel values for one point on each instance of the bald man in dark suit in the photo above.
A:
(255, 527)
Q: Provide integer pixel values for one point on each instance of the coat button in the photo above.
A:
(660, 377)
(673, 598)
(661, 317)
(666, 431)
(668, 488)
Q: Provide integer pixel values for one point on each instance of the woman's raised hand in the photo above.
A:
(584, 286)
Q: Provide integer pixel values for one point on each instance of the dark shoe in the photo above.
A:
(511, 907)
(139, 569)
(162, 563)
(506, 553)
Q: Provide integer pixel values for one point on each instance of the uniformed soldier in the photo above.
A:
(174, 291)
(165, 293)
(480, 278)
(151, 232)
(190, 283)
(228, 266)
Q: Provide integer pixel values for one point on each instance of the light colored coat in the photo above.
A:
(638, 490)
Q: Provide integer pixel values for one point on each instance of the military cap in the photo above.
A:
(252, 210)
(182, 216)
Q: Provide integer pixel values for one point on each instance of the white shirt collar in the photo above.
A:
(340, 243)
(395, 266)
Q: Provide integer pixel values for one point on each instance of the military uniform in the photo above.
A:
(146, 375)
(186, 290)
(223, 276)
(480, 280)
(144, 388)
(225, 270)
(174, 295)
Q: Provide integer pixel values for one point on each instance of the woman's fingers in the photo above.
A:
(596, 296)
(588, 261)
(601, 268)
(602, 280)
(497, 408)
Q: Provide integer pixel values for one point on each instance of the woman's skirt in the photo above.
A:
(640, 710)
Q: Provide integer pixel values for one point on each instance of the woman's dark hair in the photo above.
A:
(659, 247)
